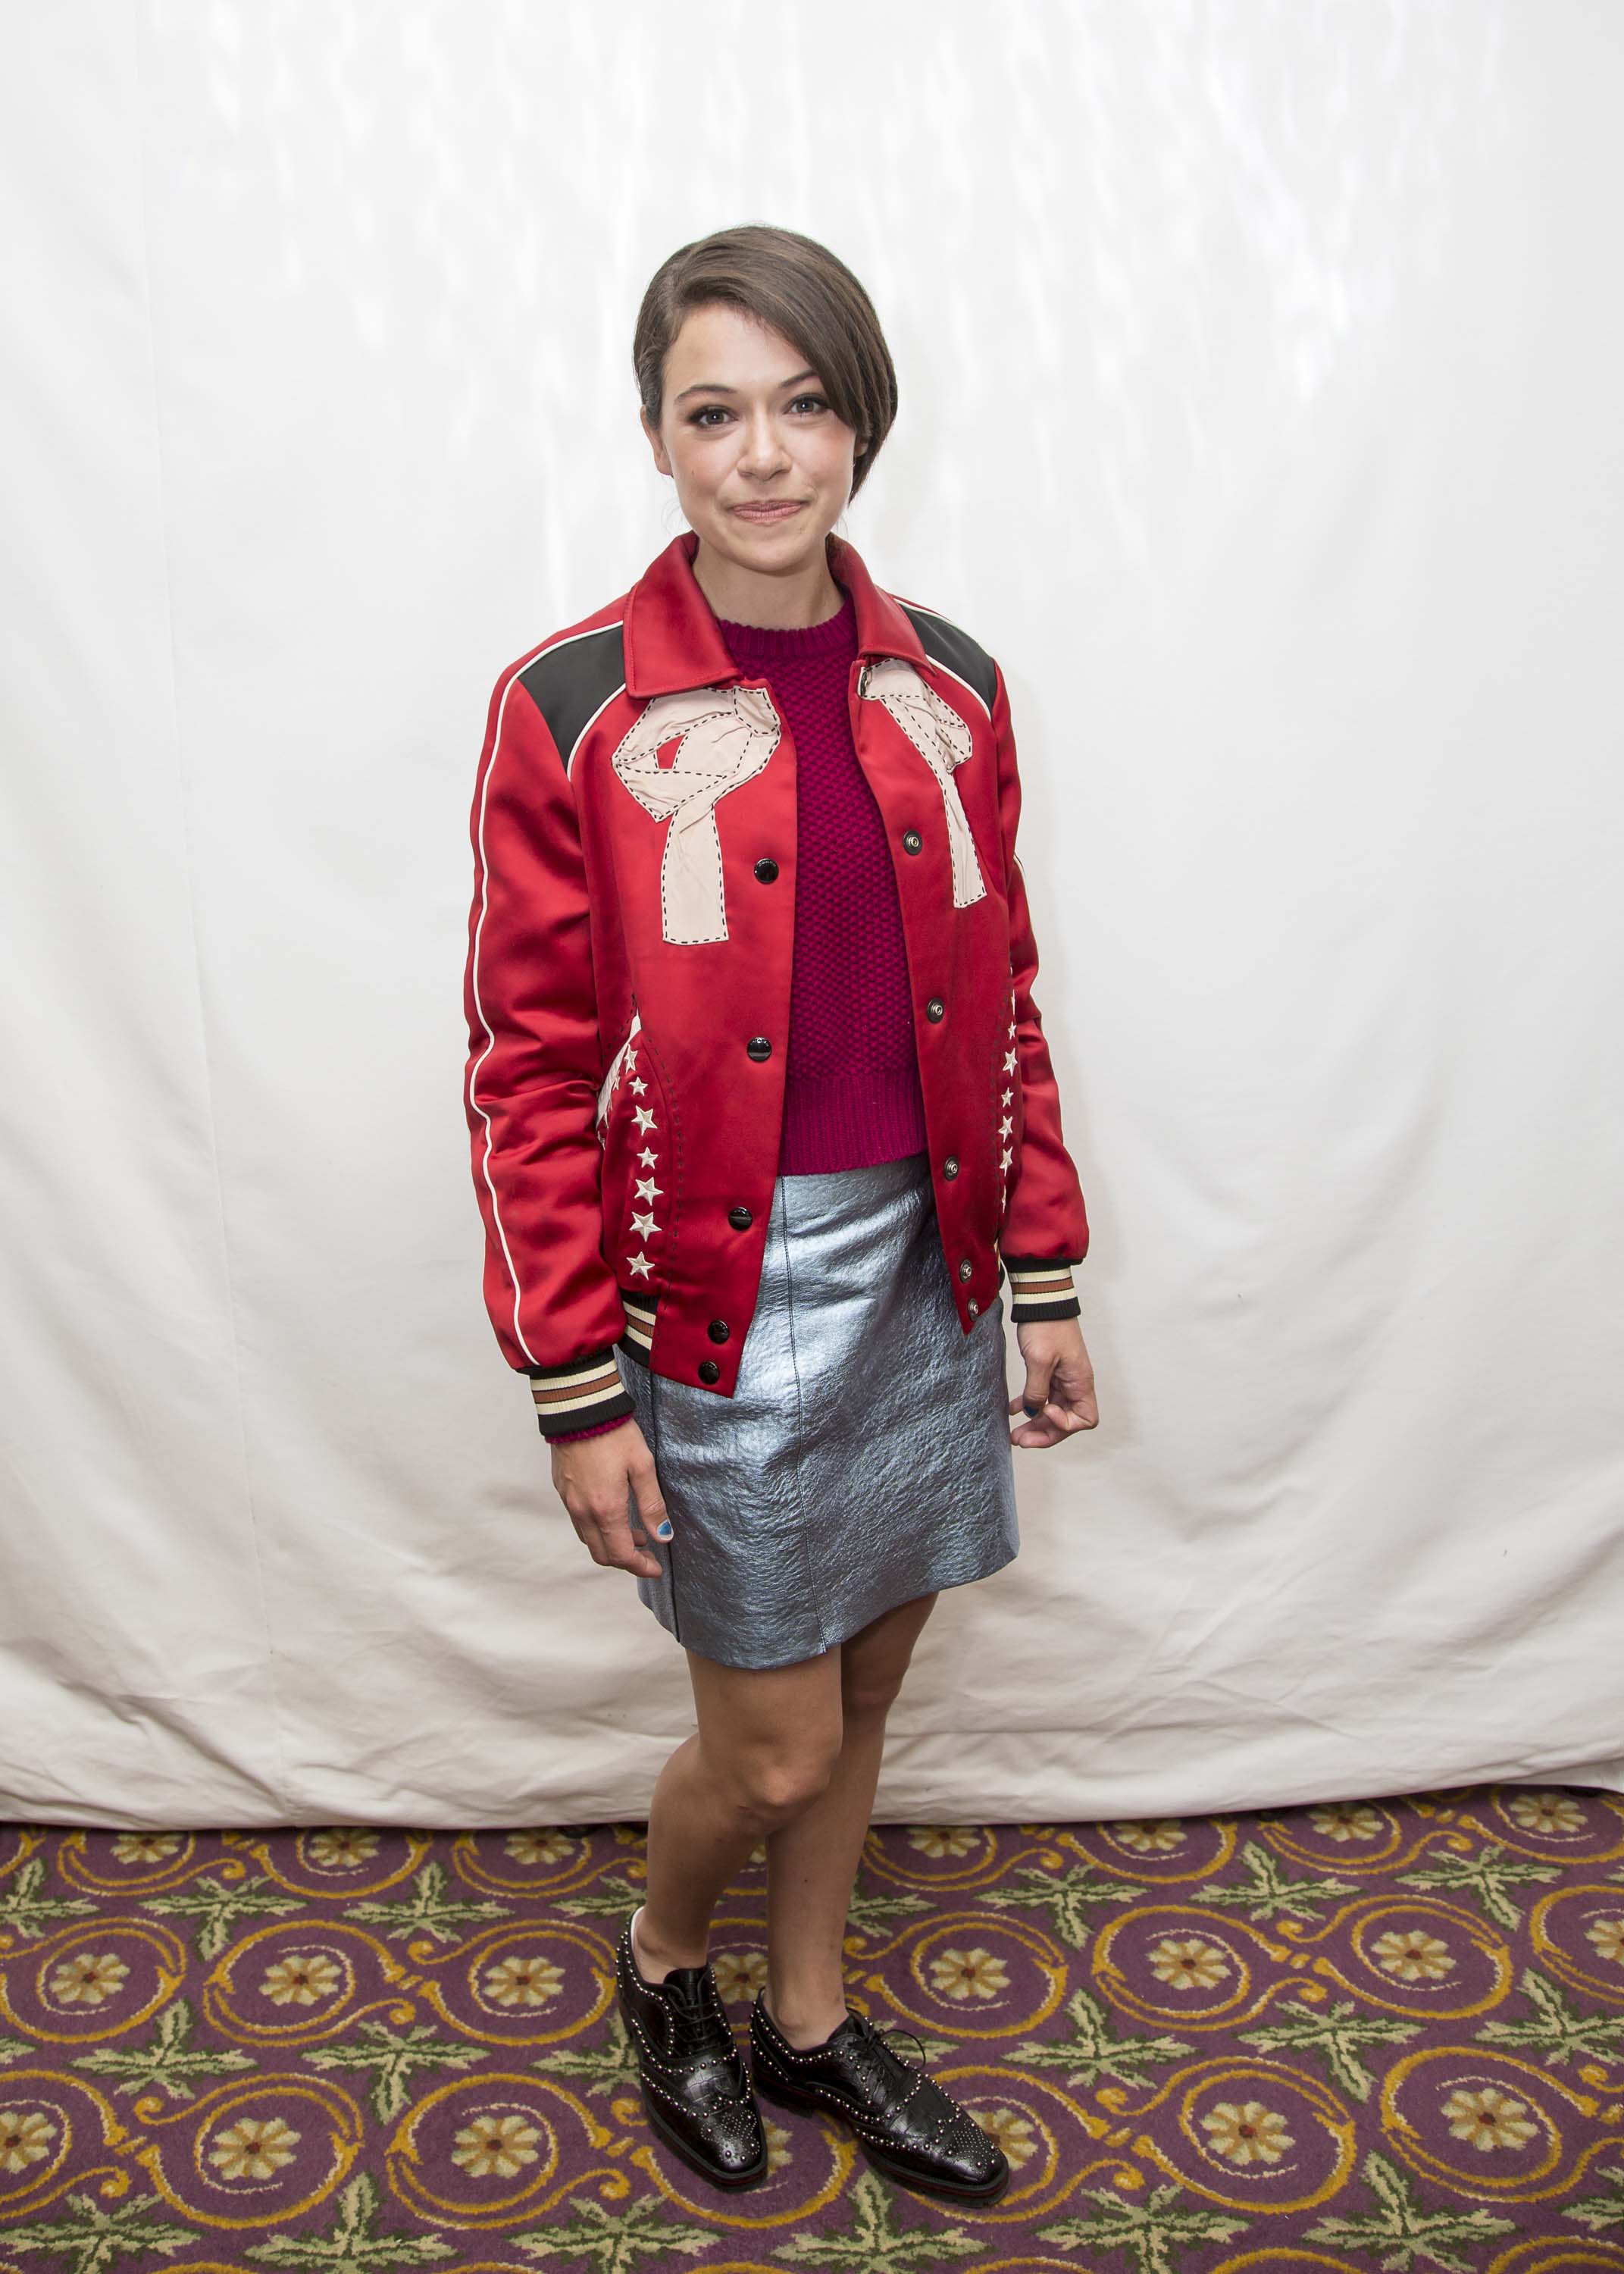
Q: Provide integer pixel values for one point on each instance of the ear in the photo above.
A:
(660, 458)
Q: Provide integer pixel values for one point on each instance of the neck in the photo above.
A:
(802, 594)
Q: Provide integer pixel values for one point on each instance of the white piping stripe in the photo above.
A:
(570, 760)
(936, 659)
(522, 666)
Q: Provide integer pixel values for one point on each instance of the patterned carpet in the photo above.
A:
(1385, 2034)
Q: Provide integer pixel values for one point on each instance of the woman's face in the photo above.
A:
(745, 422)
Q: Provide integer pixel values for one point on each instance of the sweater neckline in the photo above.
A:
(762, 641)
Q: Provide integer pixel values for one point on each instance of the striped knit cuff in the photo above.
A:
(589, 1389)
(1042, 1288)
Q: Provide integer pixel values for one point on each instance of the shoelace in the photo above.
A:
(699, 2031)
(877, 2060)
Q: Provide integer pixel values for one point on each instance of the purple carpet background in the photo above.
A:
(1386, 2034)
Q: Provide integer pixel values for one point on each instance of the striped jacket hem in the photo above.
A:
(590, 1388)
(1041, 1287)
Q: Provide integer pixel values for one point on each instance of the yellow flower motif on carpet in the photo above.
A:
(740, 1973)
(1011, 2130)
(1554, 1813)
(253, 2148)
(1345, 1819)
(1152, 1836)
(88, 1979)
(301, 1978)
(968, 1973)
(1607, 1934)
(1250, 2134)
(523, 1981)
(495, 2147)
(25, 2134)
(1185, 1962)
(538, 1844)
(339, 1847)
(1490, 2118)
(943, 1839)
(1416, 1957)
(145, 1847)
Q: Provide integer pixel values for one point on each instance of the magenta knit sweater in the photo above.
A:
(852, 1091)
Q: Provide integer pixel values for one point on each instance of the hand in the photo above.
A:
(596, 1478)
(1059, 1380)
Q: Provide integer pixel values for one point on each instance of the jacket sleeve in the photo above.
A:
(1046, 1224)
(533, 1067)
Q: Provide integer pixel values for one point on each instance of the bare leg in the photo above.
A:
(767, 1739)
(812, 1859)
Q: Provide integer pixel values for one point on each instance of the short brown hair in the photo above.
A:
(797, 287)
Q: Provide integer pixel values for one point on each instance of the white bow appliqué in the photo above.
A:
(944, 740)
(727, 734)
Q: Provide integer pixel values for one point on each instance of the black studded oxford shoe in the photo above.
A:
(696, 2088)
(908, 2126)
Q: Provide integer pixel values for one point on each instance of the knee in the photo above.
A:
(867, 1700)
(773, 1788)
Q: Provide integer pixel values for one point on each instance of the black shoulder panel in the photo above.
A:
(572, 681)
(945, 644)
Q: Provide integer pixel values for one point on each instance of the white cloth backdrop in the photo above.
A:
(1260, 373)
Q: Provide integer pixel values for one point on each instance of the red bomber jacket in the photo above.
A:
(627, 983)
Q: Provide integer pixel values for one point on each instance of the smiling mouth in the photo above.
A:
(779, 512)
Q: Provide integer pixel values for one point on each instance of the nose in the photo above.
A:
(761, 451)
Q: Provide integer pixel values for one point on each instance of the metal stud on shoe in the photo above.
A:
(907, 2126)
(696, 2088)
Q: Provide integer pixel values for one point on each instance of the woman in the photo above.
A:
(763, 1117)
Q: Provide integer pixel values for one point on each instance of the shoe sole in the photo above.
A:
(905, 2174)
(661, 2124)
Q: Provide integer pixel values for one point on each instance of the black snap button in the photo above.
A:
(911, 840)
(759, 1047)
(950, 1167)
(708, 1369)
(766, 869)
(741, 1218)
(718, 1330)
(965, 1267)
(935, 1008)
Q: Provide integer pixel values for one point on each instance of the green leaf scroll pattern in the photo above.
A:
(350, 2247)
(428, 1910)
(169, 2061)
(1270, 1892)
(877, 2240)
(1334, 2033)
(391, 2059)
(1487, 1872)
(615, 2242)
(1095, 2053)
(217, 1909)
(1401, 2235)
(95, 2236)
(1153, 2235)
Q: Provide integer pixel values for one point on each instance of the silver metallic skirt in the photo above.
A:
(864, 1457)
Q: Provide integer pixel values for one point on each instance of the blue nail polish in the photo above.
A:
(662, 1530)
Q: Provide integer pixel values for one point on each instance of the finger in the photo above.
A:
(646, 1498)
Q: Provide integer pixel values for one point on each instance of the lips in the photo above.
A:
(775, 512)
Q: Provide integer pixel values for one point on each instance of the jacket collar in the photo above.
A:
(672, 639)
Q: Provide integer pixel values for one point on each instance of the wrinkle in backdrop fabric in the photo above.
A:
(1258, 375)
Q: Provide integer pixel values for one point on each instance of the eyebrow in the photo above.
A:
(715, 386)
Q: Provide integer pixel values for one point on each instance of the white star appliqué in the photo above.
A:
(646, 1189)
(1006, 1126)
(639, 1085)
(649, 1159)
(642, 1223)
(1008, 1062)
(641, 1265)
(646, 1121)
(1005, 1158)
